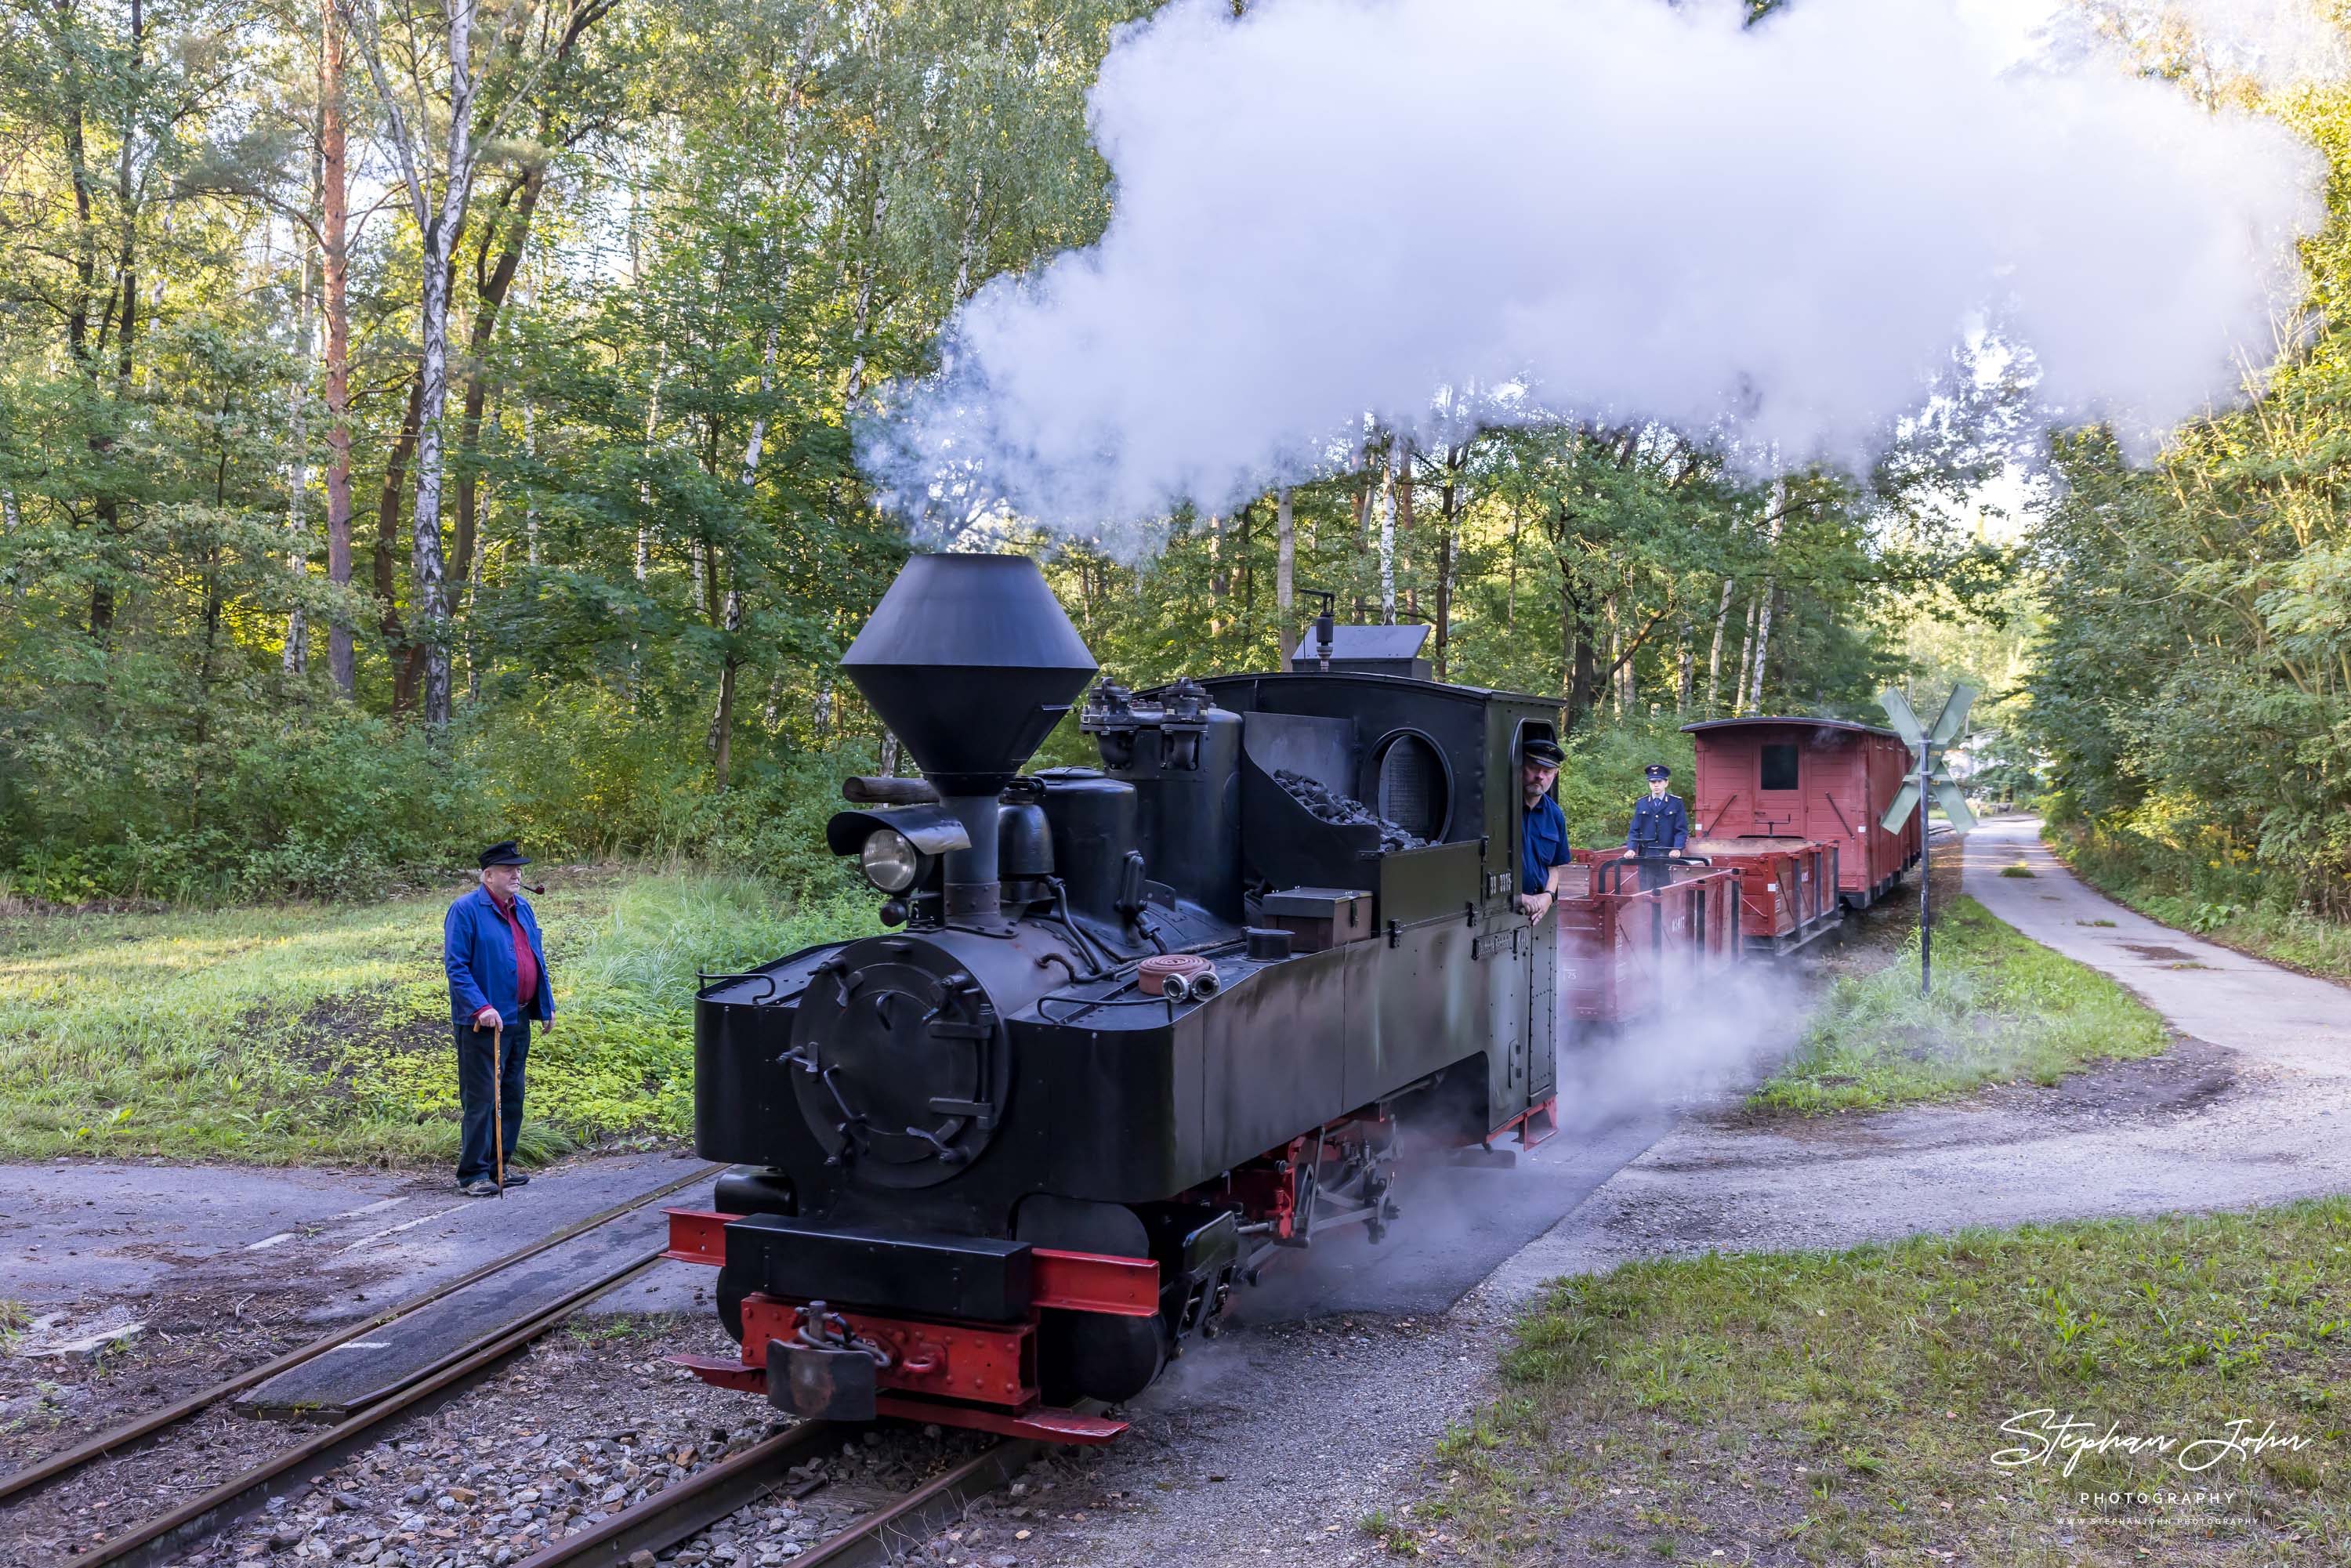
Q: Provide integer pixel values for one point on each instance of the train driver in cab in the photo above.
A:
(1660, 828)
(1542, 829)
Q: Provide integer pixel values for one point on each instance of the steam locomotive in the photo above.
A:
(1136, 1029)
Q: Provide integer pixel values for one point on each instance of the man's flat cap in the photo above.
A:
(503, 852)
(1546, 752)
(1658, 770)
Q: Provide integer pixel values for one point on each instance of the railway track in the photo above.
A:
(157, 1540)
(679, 1513)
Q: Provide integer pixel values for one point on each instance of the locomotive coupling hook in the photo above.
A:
(829, 1330)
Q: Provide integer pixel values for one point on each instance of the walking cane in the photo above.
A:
(497, 1101)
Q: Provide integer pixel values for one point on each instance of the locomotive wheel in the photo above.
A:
(731, 1304)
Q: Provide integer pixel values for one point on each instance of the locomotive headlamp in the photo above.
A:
(889, 861)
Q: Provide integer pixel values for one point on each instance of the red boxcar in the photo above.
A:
(1826, 779)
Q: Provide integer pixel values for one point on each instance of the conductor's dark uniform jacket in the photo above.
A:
(1660, 826)
(495, 958)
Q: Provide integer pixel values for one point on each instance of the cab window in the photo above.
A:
(1778, 766)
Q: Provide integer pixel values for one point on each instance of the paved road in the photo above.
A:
(2210, 992)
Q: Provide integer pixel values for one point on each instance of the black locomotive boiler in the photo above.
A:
(1137, 1027)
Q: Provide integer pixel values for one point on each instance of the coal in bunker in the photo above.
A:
(1330, 806)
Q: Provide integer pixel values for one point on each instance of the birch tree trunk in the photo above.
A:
(1616, 661)
(1763, 614)
(861, 315)
(1388, 536)
(334, 247)
(1510, 604)
(966, 246)
(1714, 656)
(10, 521)
(644, 484)
(1285, 558)
(1451, 504)
(1738, 670)
(438, 224)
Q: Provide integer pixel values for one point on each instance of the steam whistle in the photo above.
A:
(1323, 624)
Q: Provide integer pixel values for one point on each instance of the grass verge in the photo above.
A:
(1904, 1404)
(322, 1032)
(2219, 901)
(2003, 1009)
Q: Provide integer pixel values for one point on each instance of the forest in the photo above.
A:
(420, 426)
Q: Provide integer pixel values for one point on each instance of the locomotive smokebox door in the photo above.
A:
(820, 1383)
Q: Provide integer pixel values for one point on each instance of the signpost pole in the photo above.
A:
(1926, 915)
(1915, 797)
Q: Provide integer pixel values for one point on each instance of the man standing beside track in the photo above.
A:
(1542, 830)
(498, 984)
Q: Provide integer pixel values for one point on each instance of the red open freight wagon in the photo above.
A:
(1623, 951)
(1823, 780)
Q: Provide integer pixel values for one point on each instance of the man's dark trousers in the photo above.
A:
(1656, 872)
(473, 1055)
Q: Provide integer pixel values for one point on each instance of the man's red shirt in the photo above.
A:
(526, 966)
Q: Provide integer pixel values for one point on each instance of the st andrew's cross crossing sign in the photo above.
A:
(1928, 776)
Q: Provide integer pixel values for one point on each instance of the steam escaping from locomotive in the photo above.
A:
(1431, 211)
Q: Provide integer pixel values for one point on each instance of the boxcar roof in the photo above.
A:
(1844, 724)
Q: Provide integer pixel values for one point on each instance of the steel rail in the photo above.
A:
(147, 1426)
(679, 1513)
(154, 1543)
(694, 1504)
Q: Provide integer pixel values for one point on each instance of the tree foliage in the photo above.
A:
(2192, 685)
(700, 237)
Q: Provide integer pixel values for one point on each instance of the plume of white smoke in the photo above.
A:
(1613, 209)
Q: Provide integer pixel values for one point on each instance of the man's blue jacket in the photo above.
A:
(477, 949)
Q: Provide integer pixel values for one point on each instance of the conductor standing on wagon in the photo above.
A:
(498, 984)
(1660, 829)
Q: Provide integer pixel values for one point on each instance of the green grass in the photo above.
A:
(2018, 870)
(320, 1032)
(1845, 1406)
(2004, 1010)
(2218, 898)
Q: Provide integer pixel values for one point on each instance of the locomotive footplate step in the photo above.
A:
(358, 1372)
